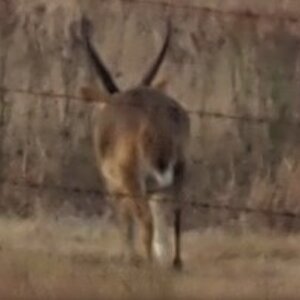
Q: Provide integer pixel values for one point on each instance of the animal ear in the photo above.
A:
(161, 85)
(92, 94)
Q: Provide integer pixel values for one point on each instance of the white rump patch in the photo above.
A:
(165, 178)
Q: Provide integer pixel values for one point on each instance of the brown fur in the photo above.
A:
(140, 132)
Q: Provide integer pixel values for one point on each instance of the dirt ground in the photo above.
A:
(74, 258)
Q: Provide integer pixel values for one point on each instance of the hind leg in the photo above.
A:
(132, 202)
(161, 243)
(144, 220)
(177, 261)
(126, 229)
(178, 195)
(135, 211)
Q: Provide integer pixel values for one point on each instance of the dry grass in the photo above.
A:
(76, 259)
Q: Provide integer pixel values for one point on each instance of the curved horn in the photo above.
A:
(149, 76)
(96, 60)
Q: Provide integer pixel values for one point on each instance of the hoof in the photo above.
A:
(177, 265)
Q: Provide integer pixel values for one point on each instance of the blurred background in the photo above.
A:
(234, 65)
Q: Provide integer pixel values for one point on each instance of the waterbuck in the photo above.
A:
(140, 139)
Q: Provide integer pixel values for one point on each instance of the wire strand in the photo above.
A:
(191, 203)
(201, 113)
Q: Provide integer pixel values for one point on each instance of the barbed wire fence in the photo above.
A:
(192, 203)
(198, 112)
(201, 113)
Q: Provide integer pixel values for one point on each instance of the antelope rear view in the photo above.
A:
(140, 139)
